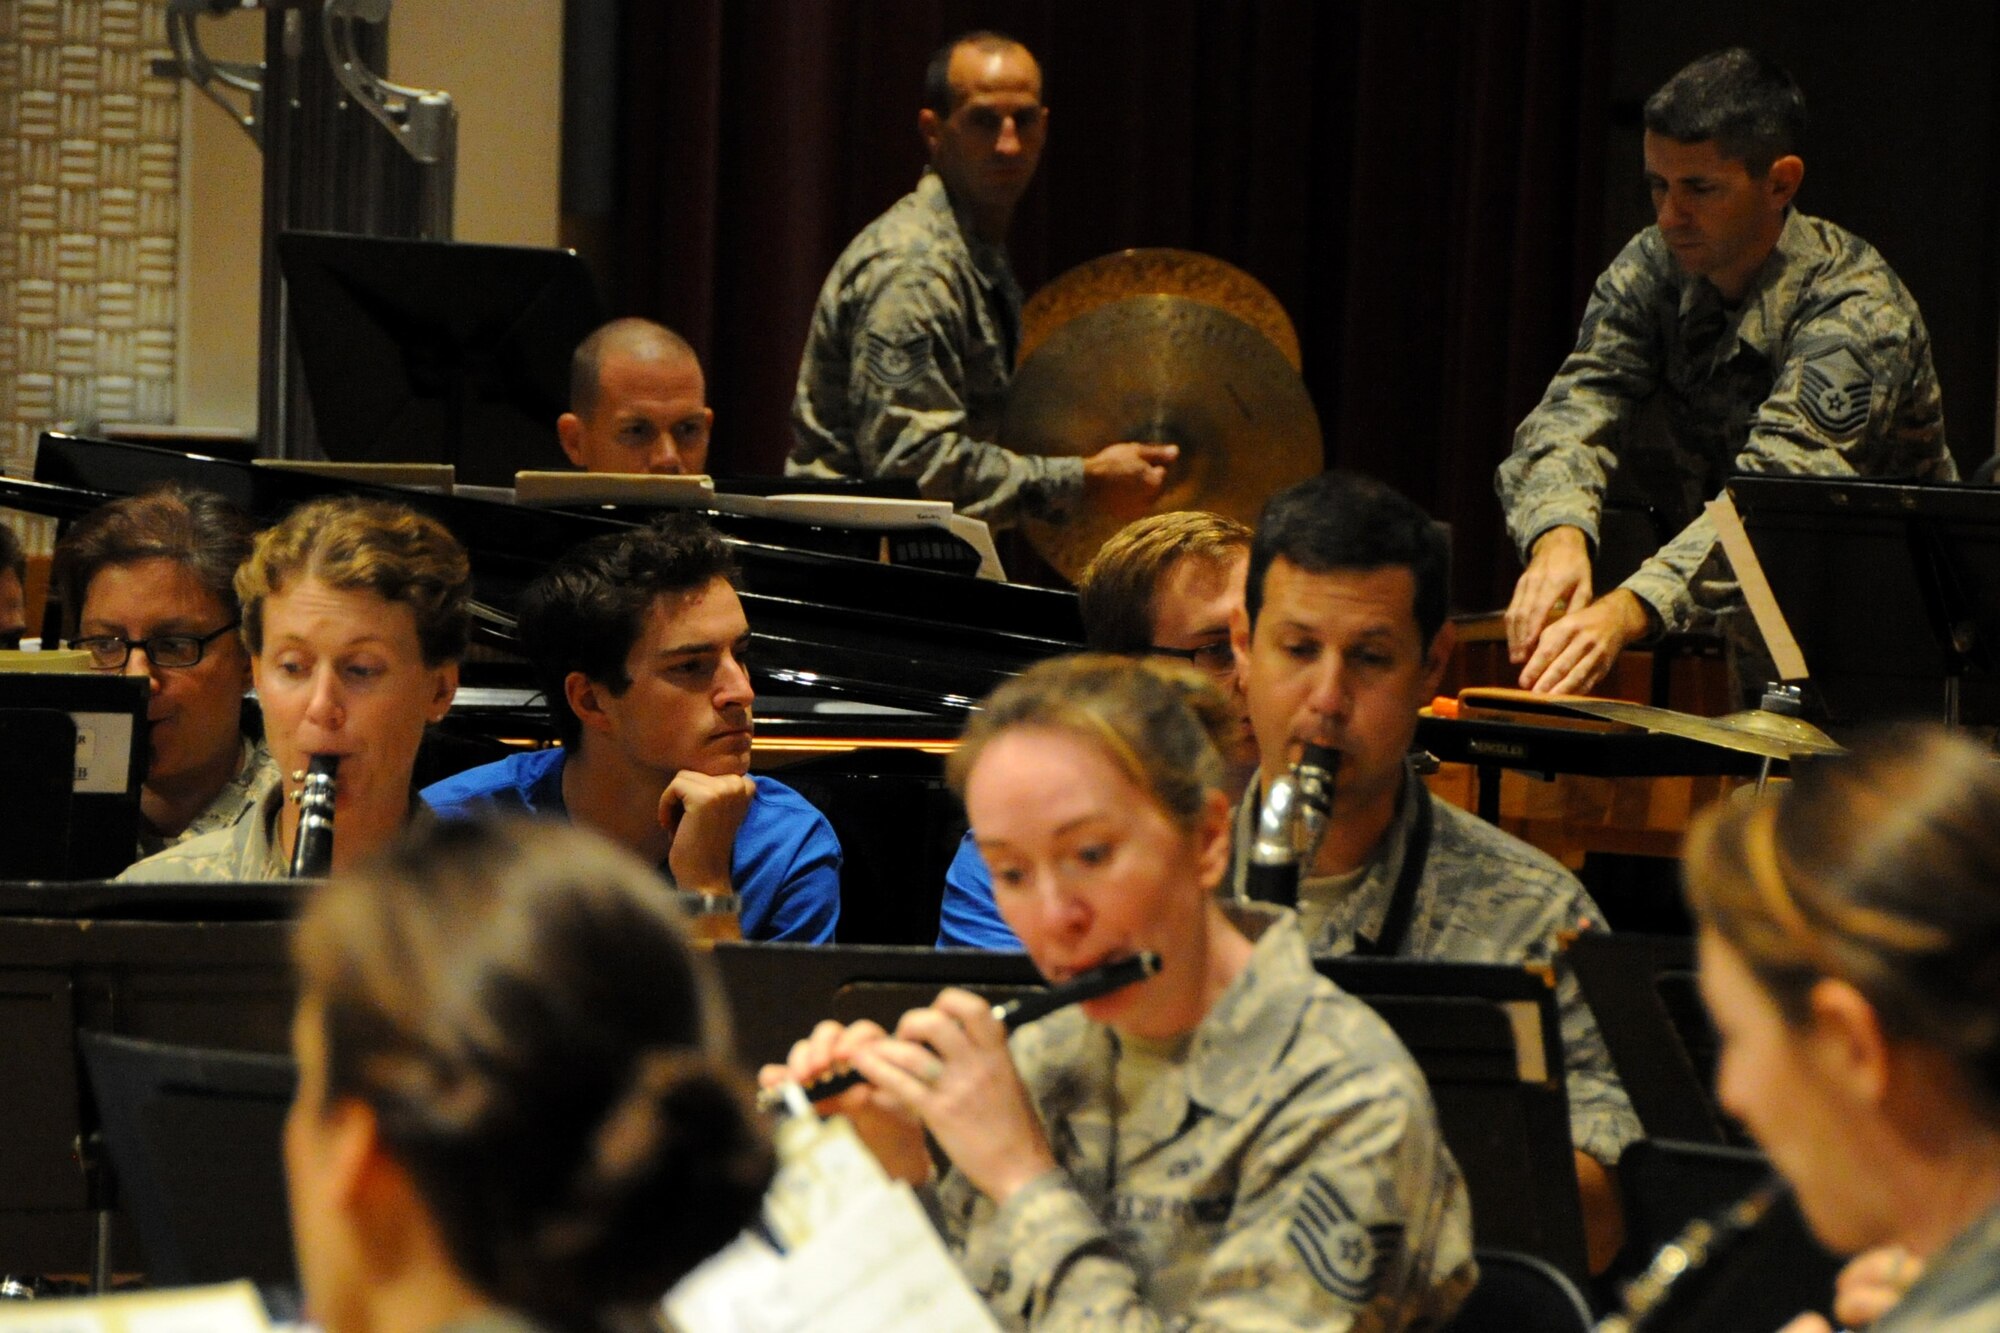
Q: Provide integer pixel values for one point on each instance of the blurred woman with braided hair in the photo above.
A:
(1850, 955)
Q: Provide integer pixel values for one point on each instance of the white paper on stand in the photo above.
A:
(862, 1256)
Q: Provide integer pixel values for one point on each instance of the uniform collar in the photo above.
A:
(1759, 318)
(1368, 903)
(1253, 1022)
(989, 261)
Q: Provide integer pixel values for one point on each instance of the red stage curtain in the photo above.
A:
(1421, 185)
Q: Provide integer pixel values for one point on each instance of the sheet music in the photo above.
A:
(867, 1259)
(103, 753)
(234, 1308)
(822, 1165)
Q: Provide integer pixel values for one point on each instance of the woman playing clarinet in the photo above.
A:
(355, 617)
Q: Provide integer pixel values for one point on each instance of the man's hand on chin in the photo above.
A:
(1575, 651)
(702, 812)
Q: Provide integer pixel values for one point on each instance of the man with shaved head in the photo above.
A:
(638, 402)
(912, 345)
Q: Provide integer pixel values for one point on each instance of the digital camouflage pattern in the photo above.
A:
(1486, 897)
(907, 364)
(1824, 369)
(1959, 1290)
(255, 776)
(249, 849)
(1288, 1174)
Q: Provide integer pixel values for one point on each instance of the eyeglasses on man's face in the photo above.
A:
(110, 652)
(1217, 658)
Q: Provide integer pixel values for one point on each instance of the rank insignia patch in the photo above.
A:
(1835, 390)
(1342, 1255)
(895, 364)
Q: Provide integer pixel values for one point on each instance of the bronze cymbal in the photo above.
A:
(1169, 369)
(1752, 731)
(1157, 271)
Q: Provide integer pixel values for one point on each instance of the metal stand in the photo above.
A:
(308, 105)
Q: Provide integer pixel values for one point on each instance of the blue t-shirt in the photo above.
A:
(968, 918)
(785, 865)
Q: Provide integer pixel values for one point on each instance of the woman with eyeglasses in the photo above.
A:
(355, 615)
(147, 588)
(1849, 934)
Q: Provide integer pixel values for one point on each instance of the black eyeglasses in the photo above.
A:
(1217, 659)
(109, 652)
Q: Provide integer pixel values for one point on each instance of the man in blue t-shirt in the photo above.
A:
(639, 640)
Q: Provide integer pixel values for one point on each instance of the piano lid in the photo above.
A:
(830, 625)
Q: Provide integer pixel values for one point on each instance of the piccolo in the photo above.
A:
(1026, 1009)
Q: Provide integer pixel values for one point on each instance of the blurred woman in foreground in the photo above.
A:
(354, 612)
(1850, 955)
(515, 1110)
(1231, 1143)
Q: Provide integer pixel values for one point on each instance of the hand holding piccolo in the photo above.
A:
(1026, 1009)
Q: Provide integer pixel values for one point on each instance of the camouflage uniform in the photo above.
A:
(252, 848)
(1824, 369)
(1485, 897)
(255, 776)
(1288, 1174)
(906, 368)
(1959, 1291)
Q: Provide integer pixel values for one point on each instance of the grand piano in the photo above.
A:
(865, 671)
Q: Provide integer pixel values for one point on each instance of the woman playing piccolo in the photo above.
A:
(1230, 1143)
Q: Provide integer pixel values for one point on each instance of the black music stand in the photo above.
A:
(1642, 990)
(199, 964)
(1892, 591)
(70, 810)
(196, 1140)
(1484, 1035)
(437, 351)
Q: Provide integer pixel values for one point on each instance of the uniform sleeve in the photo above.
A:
(1602, 1122)
(1856, 397)
(1601, 1119)
(967, 916)
(786, 870)
(1320, 1234)
(1565, 450)
(906, 382)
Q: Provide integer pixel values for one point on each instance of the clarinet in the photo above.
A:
(312, 856)
(1290, 827)
(1699, 1244)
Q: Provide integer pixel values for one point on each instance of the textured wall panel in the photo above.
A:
(89, 217)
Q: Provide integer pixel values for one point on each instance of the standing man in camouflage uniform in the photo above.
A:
(1341, 638)
(1752, 337)
(912, 344)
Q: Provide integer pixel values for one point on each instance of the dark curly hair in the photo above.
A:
(545, 1054)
